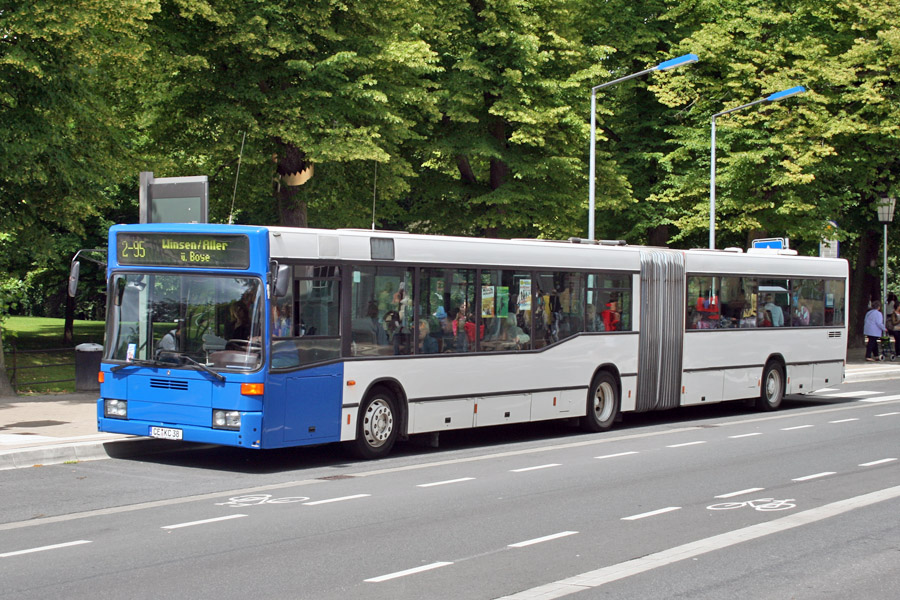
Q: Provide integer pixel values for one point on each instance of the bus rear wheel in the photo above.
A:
(378, 426)
(602, 403)
(771, 392)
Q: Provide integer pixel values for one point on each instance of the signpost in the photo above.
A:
(773, 243)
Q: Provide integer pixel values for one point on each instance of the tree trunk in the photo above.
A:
(864, 286)
(659, 236)
(290, 201)
(6, 388)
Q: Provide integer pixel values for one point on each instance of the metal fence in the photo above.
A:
(20, 364)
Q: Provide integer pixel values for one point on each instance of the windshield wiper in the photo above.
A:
(203, 367)
(140, 362)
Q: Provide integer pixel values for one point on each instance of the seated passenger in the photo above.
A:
(427, 344)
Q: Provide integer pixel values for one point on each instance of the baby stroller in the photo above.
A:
(886, 348)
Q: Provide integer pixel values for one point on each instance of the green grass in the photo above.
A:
(40, 333)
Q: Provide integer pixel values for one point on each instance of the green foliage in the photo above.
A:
(463, 117)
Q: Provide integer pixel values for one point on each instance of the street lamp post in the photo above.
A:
(712, 153)
(885, 214)
(663, 66)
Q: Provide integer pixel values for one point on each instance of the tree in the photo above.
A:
(63, 138)
(792, 166)
(333, 87)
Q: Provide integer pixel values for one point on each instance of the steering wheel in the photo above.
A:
(243, 345)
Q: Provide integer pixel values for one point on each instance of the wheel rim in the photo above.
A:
(378, 423)
(773, 386)
(603, 402)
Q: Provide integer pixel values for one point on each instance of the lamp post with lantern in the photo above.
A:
(885, 208)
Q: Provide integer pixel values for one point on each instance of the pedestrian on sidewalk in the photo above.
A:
(892, 319)
(873, 328)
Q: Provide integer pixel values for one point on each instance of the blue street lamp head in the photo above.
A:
(676, 62)
(799, 89)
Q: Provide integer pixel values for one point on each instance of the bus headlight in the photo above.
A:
(226, 419)
(117, 409)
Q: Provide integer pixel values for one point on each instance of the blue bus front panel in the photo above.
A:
(179, 399)
(297, 408)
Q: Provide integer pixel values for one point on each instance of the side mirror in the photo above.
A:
(73, 278)
(282, 280)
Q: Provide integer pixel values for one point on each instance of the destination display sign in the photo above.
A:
(221, 251)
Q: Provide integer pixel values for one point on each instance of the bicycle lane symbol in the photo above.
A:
(761, 504)
(257, 499)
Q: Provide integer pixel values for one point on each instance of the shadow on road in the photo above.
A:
(331, 460)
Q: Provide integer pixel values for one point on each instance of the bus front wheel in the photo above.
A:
(771, 392)
(602, 403)
(378, 425)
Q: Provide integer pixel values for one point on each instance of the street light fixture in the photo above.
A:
(663, 66)
(799, 89)
(885, 208)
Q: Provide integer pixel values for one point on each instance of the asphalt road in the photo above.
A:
(710, 502)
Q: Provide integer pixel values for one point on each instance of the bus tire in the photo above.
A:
(602, 403)
(771, 391)
(378, 427)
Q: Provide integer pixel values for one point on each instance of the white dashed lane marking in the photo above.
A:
(43, 548)
(815, 476)
(203, 522)
(448, 482)
(652, 513)
(747, 491)
(413, 571)
(539, 540)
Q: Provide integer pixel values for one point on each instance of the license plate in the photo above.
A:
(165, 433)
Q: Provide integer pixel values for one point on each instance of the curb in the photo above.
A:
(55, 454)
(874, 374)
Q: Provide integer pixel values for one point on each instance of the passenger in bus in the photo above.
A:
(460, 335)
(170, 341)
(592, 321)
(801, 316)
(427, 344)
(775, 312)
(611, 315)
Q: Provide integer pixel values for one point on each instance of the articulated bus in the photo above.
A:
(268, 337)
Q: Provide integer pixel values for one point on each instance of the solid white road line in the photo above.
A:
(747, 491)
(546, 538)
(843, 420)
(203, 522)
(435, 565)
(685, 444)
(42, 548)
(878, 462)
(652, 513)
(616, 455)
(743, 435)
(797, 427)
(816, 476)
(341, 499)
(460, 480)
(596, 578)
(535, 468)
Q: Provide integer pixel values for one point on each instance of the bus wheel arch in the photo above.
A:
(772, 385)
(603, 400)
(379, 423)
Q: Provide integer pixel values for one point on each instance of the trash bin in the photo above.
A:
(87, 365)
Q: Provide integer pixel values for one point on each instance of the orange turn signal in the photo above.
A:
(252, 389)
(100, 376)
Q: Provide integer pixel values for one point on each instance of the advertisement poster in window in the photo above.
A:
(524, 301)
(502, 301)
(487, 302)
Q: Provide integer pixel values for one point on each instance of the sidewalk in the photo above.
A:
(53, 429)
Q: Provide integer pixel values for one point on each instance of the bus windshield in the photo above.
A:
(184, 319)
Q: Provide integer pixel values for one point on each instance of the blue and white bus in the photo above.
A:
(268, 337)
